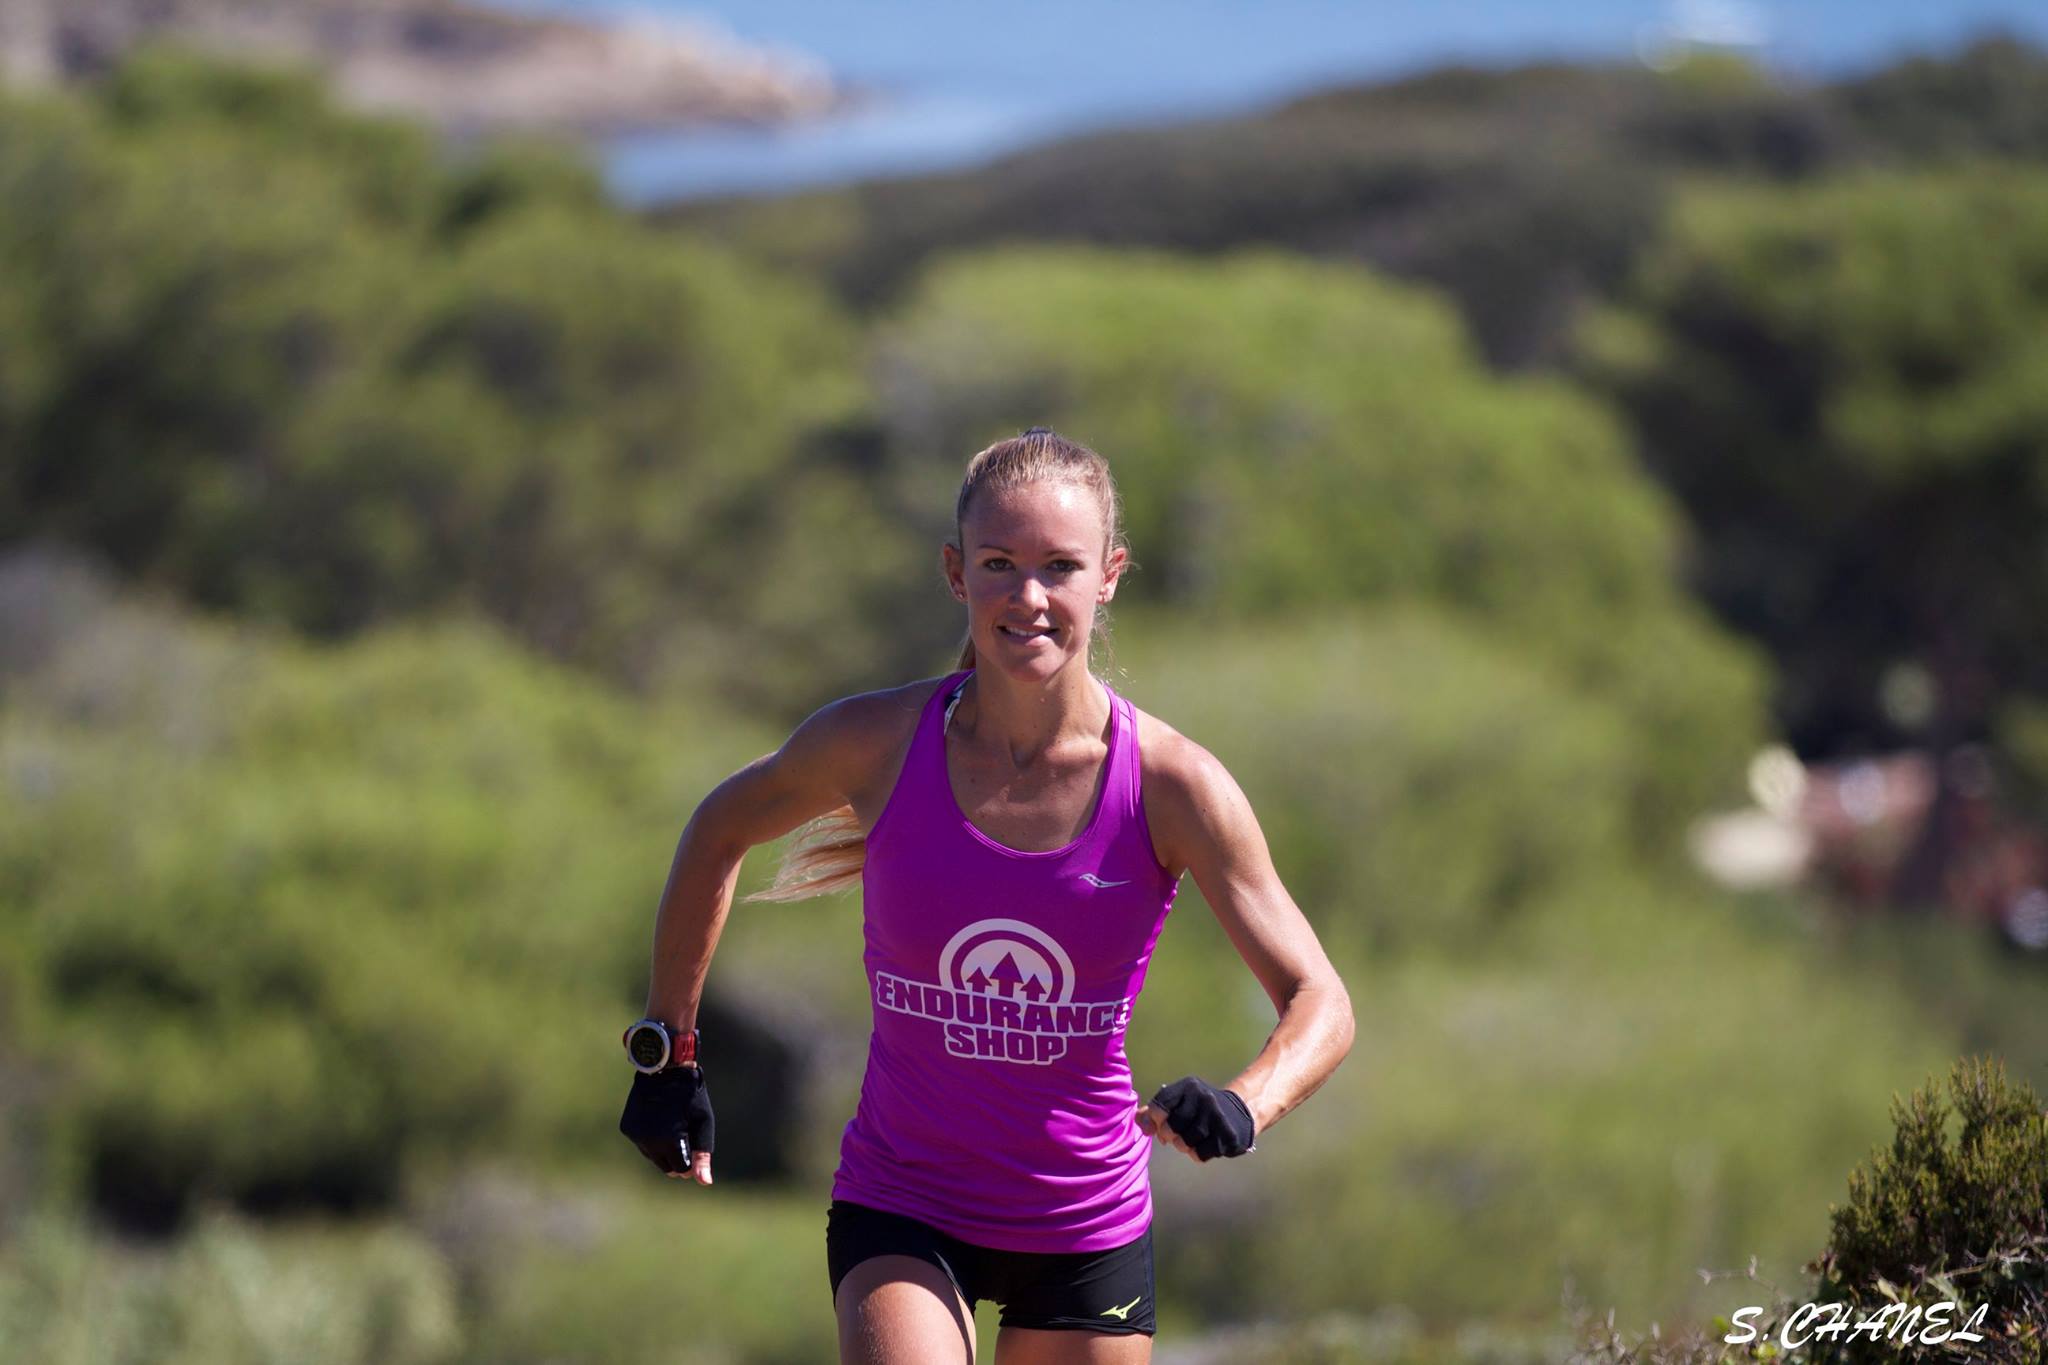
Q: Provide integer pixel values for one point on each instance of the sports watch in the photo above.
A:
(654, 1047)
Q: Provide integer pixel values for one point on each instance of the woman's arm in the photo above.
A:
(1204, 823)
(830, 756)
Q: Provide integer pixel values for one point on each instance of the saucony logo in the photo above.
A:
(1093, 880)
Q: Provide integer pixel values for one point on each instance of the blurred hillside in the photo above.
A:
(1523, 193)
(394, 547)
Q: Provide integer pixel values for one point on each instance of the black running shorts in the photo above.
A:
(1088, 1291)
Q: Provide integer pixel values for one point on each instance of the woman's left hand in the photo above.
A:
(1152, 1119)
(1200, 1119)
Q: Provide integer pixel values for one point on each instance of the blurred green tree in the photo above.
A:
(282, 359)
(1847, 387)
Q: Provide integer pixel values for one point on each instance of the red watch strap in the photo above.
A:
(683, 1047)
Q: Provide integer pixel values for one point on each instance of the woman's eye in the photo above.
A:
(1062, 565)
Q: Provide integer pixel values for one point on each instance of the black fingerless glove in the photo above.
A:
(668, 1117)
(1213, 1122)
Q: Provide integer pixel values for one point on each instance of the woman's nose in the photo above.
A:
(1032, 591)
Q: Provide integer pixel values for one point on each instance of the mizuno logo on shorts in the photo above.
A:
(1123, 1313)
(1093, 880)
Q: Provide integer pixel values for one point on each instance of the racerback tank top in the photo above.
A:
(997, 1105)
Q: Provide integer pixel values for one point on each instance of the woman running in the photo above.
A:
(1018, 831)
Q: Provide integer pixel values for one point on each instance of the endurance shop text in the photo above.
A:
(1834, 1322)
(1000, 1028)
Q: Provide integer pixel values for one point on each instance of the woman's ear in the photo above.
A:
(954, 565)
(1112, 573)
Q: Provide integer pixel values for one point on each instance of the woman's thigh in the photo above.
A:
(902, 1310)
(1039, 1346)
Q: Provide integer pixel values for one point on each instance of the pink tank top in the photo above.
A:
(997, 1104)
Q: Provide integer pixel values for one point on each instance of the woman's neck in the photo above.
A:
(1023, 721)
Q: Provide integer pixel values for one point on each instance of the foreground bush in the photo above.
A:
(1959, 1215)
(1953, 1215)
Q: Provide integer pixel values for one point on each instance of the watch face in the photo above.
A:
(647, 1047)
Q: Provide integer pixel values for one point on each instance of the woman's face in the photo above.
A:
(1030, 568)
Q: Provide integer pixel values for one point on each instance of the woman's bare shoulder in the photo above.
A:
(1172, 770)
(1191, 799)
(867, 729)
(1166, 753)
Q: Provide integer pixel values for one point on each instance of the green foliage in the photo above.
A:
(282, 359)
(1967, 982)
(1992, 97)
(1393, 762)
(688, 1277)
(1943, 1234)
(276, 115)
(1960, 1215)
(231, 1294)
(508, 177)
(2020, 729)
(1852, 411)
(1580, 1107)
(312, 873)
(486, 1270)
(1390, 1336)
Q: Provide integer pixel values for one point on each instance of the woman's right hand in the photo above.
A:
(668, 1117)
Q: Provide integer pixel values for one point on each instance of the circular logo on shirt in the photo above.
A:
(1008, 958)
(1004, 993)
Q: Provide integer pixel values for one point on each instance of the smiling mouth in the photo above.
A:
(1015, 634)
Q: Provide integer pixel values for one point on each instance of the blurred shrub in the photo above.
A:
(24, 1085)
(494, 1270)
(1608, 1097)
(1420, 784)
(1389, 1337)
(615, 1289)
(2020, 732)
(303, 917)
(227, 1295)
(1972, 984)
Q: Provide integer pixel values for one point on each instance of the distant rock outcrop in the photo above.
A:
(457, 64)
